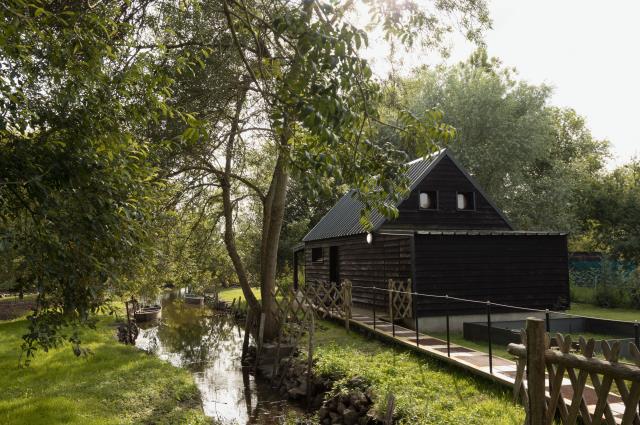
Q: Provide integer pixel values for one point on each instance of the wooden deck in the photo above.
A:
(504, 370)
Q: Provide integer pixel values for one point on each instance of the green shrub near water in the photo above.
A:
(426, 390)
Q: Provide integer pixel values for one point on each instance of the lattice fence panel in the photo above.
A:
(400, 304)
(601, 391)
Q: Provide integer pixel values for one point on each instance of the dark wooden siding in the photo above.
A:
(447, 180)
(521, 270)
(389, 257)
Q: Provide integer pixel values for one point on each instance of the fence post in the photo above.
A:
(448, 334)
(536, 370)
(312, 325)
(260, 339)
(489, 337)
(247, 331)
(346, 300)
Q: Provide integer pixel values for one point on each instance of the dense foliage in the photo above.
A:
(610, 204)
(532, 158)
(78, 189)
(154, 142)
(285, 94)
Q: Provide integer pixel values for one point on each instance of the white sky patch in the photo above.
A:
(587, 50)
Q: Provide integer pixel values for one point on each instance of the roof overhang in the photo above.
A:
(487, 233)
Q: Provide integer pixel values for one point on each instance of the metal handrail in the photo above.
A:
(488, 304)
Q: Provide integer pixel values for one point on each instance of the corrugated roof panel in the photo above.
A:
(344, 218)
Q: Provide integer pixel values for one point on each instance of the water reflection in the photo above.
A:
(210, 346)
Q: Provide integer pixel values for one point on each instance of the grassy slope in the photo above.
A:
(427, 391)
(118, 384)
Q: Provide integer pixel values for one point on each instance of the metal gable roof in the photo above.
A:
(344, 218)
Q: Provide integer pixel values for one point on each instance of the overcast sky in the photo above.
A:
(587, 50)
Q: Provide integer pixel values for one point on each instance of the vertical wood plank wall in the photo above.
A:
(526, 271)
(388, 257)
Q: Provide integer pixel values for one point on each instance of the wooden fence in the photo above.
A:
(543, 371)
(400, 305)
(296, 312)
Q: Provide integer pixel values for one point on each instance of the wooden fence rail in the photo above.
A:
(554, 382)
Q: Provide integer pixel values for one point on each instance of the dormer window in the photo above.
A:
(466, 201)
(428, 200)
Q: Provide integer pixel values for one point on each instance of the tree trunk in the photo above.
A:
(273, 217)
(229, 234)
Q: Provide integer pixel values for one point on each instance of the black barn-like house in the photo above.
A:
(449, 239)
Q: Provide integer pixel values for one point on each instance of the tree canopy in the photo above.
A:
(609, 211)
(78, 187)
(122, 118)
(529, 156)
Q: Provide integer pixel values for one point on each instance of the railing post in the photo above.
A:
(415, 313)
(547, 320)
(448, 333)
(489, 337)
(536, 370)
(375, 299)
(393, 323)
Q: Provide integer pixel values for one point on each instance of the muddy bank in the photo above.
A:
(352, 405)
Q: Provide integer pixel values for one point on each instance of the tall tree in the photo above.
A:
(78, 178)
(305, 103)
(529, 156)
(609, 211)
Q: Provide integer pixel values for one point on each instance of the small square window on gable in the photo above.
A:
(466, 201)
(316, 255)
(428, 200)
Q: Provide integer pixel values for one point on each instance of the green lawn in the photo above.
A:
(118, 384)
(576, 308)
(15, 298)
(231, 293)
(605, 313)
(427, 391)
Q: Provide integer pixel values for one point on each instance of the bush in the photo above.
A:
(613, 286)
(609, 296)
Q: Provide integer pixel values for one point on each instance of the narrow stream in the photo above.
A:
(210, 345)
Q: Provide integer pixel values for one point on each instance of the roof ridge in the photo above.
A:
(424, 158)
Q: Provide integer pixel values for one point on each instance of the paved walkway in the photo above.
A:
(477, 362)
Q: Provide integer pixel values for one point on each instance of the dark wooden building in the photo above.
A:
(449, 238)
